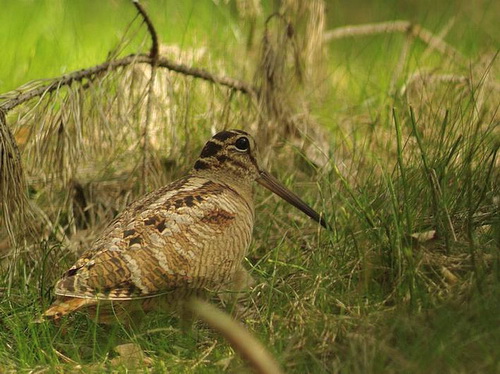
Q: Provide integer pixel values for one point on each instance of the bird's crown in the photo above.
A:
(230, 155)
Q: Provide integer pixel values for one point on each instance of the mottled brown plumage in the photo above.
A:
(180, 240)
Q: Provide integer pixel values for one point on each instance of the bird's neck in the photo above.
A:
(241, 184)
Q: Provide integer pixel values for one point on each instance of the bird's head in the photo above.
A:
(231, 156)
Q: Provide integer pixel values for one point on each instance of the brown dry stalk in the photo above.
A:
(441, 35)
(414, 30)
(154, 54)
(366, 29)
(437, 188)
(16, 98)
(154, 51)
(398, 70)
(13, 201)
(240, 339)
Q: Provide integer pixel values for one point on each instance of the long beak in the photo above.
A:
(271, 183)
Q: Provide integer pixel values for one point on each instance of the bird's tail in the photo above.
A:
(105, 312)
(64, 305)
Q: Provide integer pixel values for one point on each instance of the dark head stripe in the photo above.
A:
(210, 149)
(222, 158)
(213, 151)
(224, 135)
(201, 165)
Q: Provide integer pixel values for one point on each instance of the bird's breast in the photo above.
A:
(199, 236)
(211, 237)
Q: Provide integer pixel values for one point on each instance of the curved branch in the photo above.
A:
(415, 30)
(14, 206)
(240, 338)
(154, 51)
(15, 98)
(154, 54)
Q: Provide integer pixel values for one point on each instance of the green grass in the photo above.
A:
(367, 297)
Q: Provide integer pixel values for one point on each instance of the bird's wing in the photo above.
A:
(160, 243)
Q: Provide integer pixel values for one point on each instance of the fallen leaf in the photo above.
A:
(424, 236)
(131, 356)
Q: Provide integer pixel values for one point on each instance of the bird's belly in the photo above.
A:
(220, 254)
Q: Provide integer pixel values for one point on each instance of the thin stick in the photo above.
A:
(398, 70)
(415, 30)
(442, 34)
(240, 339)
(13, 199)
(154, 54)
(366, 29)
(154, 51)
(15, 98)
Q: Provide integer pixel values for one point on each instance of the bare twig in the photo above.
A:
(442, 34)
(416, 31)
(366, 29)
(154, 54)
(429, 77)
(154, 51)
(434, 78)
(240, 339)
(13, 200)
(398, 70)
(15, 98)
(434, 42)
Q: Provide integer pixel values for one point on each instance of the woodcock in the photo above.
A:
(178, 241)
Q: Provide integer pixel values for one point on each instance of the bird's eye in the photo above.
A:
(242, 144)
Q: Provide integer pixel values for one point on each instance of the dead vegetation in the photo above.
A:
(131, 118)
(75, 150)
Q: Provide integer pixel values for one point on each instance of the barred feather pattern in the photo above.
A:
(165, 240)
(184, 239)
(187, 236)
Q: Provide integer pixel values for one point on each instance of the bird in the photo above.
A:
(185, 239)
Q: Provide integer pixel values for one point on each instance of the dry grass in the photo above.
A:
(407, 173)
